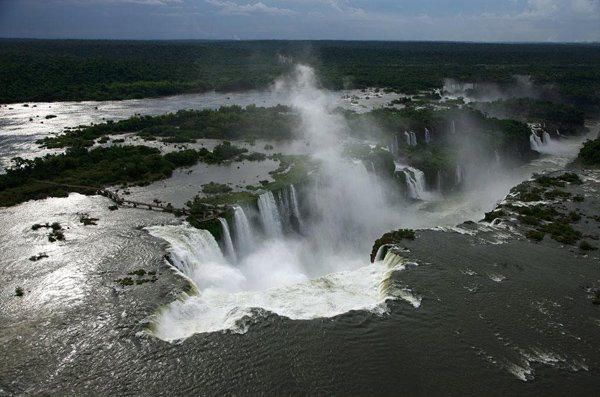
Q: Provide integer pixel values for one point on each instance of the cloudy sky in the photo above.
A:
(460, 20)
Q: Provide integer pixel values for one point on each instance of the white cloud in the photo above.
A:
(233, 8)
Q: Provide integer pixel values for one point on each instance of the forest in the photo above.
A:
(53, 70)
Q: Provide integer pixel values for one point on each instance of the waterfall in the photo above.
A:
(546, 138)
(439, 181)
(294, 205)
(243, 234)
(269, 215)
(535, 142)
(413, 139)
(197, 255)
(427, 136)
(415, 181)
(459, 174)
(453, 127)
(229, 250)
(498, 159)
(408, 140)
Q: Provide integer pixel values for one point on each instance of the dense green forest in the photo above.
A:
(79, 168)
(47, 70)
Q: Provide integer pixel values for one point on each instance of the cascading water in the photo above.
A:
(415, 181)
(197, 255)
(269, 215)
(546, 138)
(459, 174)
(408, 139)
(427, 136)
(229, 250)
(321, 272)
(294, 206)
(453, 127)
(243, 234)
(535, 141)
(413, 139)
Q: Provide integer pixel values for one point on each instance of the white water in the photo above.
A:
(427, 136)
(294, 206)
(269, 215)
(243, 235)
(413, 139)
(226, 295)
(228, 241)
(415, 181)
(323, 272)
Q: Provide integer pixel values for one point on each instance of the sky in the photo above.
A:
(446, 20)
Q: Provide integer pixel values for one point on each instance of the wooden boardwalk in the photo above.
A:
(210, 213)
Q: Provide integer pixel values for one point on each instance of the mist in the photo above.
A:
(303, 253)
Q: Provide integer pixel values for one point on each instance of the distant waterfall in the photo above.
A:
(294, 205)
(415, 181)
(269, 215)
(453, 127)
(243, 234)
(229, 250)
(427, 136)
(498, 159)
(289, 210)
(395, 145)
(439, 181)
(459, 174)
(413, 139)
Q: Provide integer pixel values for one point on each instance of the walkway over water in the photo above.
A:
(208, 214)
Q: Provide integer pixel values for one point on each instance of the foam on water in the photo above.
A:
(227, 296)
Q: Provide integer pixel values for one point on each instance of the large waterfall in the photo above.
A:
(269, 215)
(322, 271)
(226, 295)
(230, 251)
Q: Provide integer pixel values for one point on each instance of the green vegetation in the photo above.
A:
(558, 181)
(596, 300)
(79, 170)
(586, 246)
(38, 257)
(47, 70)
(378, 158)
(555, 115)
(215, 188)
(229, 122)
(393, 237)
(590, 153)
(535, 235)
(56, 231)
(139, 280)
(87, 221)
